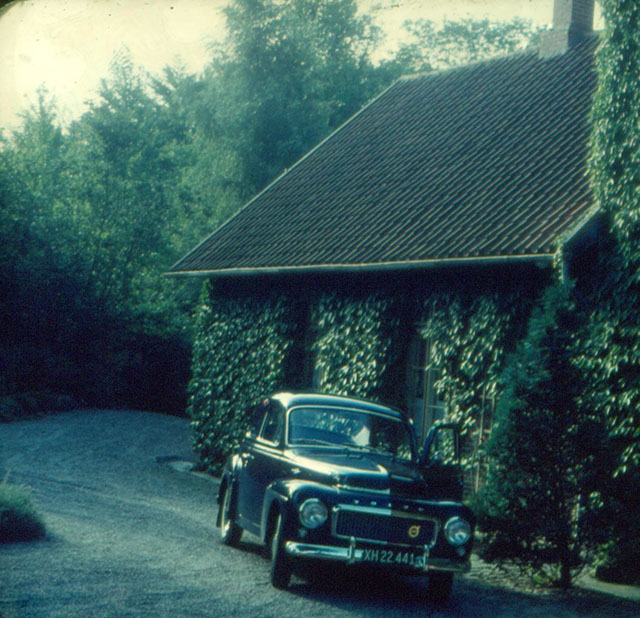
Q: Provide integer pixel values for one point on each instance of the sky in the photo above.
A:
(67, 46)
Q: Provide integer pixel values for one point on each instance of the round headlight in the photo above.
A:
(313, 513)
(457, 531)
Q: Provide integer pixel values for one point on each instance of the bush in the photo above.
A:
(618, 557)
(19, 520)
(23, 405)
(540, 502)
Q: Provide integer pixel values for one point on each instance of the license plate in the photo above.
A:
(392, 557)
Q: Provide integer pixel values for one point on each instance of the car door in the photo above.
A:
(262, 463)
(441, 463)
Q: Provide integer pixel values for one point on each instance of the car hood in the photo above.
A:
(360, 471)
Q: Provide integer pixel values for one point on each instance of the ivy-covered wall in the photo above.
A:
(608, 345)
(353, 343)
(242, 351)
(471, 336)
(354, 337)
(612, 338)
(471, 333)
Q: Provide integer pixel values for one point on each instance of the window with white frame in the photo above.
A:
(425, 405)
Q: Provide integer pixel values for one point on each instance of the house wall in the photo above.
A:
(357, 335)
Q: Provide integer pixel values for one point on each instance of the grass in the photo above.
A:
(19, 520)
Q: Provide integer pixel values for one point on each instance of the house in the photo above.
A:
(412, 243)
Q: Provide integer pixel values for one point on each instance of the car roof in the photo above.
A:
(290, 400)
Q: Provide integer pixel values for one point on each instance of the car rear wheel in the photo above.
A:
(230, 532)
(280, 562)
(440, 585)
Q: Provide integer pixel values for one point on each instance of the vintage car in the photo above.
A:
(322, 477)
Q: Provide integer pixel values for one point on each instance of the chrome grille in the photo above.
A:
(383, 526)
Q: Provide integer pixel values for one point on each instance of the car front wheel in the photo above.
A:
(230, 532)
(280, 562)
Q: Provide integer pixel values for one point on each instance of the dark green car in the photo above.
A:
(338, 479)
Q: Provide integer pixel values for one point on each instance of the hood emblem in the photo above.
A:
(414, 531)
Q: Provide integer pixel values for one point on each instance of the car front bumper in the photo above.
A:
(356, 555)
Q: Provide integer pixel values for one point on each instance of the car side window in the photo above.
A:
(256, 416)
(273, 427)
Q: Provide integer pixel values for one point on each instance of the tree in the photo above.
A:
(289, 73)
(33, 285)
(453, 43)
(86, 224)
(541, 490)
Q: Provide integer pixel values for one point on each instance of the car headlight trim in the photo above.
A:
(457, 531)
(313, 513)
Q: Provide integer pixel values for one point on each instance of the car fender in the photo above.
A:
(228, 479)
(285, 496)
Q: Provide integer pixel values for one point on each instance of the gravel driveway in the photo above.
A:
(132, 533)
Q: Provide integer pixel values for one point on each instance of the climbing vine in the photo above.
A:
(353, 343)
(239, 355)
(470, 336)
(615, 162)
(612, 339)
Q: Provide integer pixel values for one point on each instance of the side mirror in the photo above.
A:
(442, 446)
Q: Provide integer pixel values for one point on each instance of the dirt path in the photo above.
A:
(132, 533)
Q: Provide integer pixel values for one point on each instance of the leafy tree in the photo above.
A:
(32, 282)
(123, 168)
(288, 74)
(453, 43)
(541, 491)
(84, 217)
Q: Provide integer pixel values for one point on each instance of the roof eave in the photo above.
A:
(543, 260)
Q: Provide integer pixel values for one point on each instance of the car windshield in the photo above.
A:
(333, 426)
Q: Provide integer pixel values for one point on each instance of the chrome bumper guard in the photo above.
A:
(351, 555)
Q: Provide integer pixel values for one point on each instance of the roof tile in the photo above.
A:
(487, 160)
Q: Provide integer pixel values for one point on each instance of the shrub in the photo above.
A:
(541, 500)
(33, 403)
(19, 520)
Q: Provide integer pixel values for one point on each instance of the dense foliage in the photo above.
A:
(469, 333)
(614, 352)
(353, 343)
(610, 340)
(588, 494)
(240, 352)
(92, 213)
(545, 450)
(453, 43)
(83, 311)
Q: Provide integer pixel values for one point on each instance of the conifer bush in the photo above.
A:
(541, 493)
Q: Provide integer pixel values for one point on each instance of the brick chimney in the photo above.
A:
(572, 23)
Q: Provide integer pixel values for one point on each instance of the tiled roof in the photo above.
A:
(486, 161)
